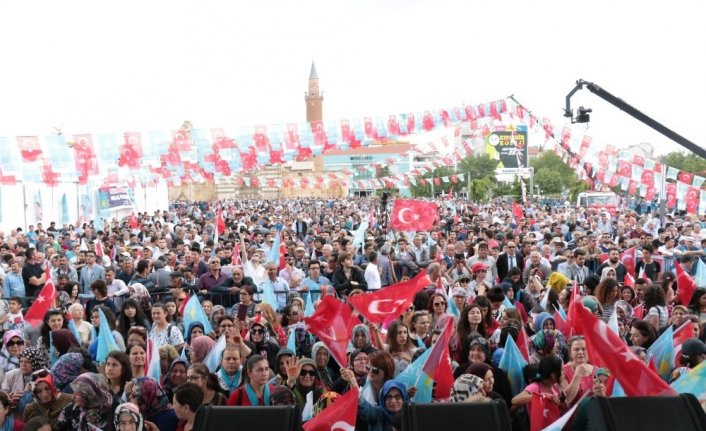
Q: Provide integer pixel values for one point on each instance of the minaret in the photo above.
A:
(313, 98)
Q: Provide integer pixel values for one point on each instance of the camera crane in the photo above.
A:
(583, 115)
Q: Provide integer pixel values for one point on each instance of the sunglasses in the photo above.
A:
(15, 343)
(294, 313)
(310, 373)
(257, 331)
(396, 397)
(439, 304)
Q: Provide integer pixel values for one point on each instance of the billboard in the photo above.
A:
(508, 147)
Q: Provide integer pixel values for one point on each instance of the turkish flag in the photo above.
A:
(685, 285)
(340, 415)
(261, 139)
(517, 212)
(220, 221)
(131, 151)
(523, 342)
(685, 177)
(571, 326)
(544, 411)
(692, 200)
(639, 311)
(410, 123)
(181, 139)
(624, 168)
(683, 333)
(133, 221)
(607, 349)
(393, 126)
(438, 364)
(638, 160)
(45, 300)
(671, 189)
(331, 323)
(390, 301)
(291, 137)
(628, 259)
(29, 148)
(410, 214)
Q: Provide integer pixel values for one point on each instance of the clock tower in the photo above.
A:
(313, 98)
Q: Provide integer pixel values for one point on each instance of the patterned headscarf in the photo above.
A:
(131, 410)
(94, 390)
(141, 295)
(7, 361)
(66, 369)
(45, 378)
(465, 387)
(148, 395)
(37, 357)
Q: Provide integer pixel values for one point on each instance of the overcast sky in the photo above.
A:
(96, 66)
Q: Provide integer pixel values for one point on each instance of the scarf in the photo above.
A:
(230, 383)
(131, 410)
(252, 396)
(93, 388)
(150, 396)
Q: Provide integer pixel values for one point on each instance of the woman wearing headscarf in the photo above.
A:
(360, 337)
(545, 343)
(62, 340)
(175, 376)
(216, 312)
(91, 407)
(485, 372)
(321, 356)
(7, 422)
(466, 389)
(386, 414)
(12, 345)
(31, 359)
(194, 330)
(48, 401)
(200, 348)
(66, 369)
(262, 344)
(153, 402)
(127, 417)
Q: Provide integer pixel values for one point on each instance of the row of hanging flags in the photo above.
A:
(198, 155)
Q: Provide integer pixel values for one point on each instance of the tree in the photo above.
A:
(549, 181)
(575, 189)
(549, 160)
(686, 162)
(480, 189)
(478, 166)
(384, 172)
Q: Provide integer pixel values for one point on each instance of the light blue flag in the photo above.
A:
(618, 390)
(512, 362)
(507, 304)
(693, 382)
(309, 307)
(53, 353)
(414, 375)
(453, 309)
(662, 350)
(269, 297)
(183, 355)
(154, 368)
(292, 340)
(74, 330)
(560, 310)
(213, 359)
(193, 312)
(313, 286)
(106, 341)
(700, 277)
(64, 209)
(273, 254)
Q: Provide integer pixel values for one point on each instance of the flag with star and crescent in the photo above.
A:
(413, 215)
(45, 300)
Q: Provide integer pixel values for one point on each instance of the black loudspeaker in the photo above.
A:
(225, 418)
(481, 416)
(681, 412)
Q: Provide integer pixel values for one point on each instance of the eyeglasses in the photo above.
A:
(439, 304)
(304, 373)
(374, 370)
(294, 313)
(395, 397)
(192, 378)
(257, 331)
(15, 343)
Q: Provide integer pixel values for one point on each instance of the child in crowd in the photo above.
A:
(14, 319)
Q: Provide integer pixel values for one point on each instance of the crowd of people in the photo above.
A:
(502, 274)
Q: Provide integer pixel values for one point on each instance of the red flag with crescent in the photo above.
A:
(45, 300)
(410, 214)
(340, 415)
(332, 324)
(390, 301)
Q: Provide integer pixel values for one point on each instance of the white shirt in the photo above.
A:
(372, 277)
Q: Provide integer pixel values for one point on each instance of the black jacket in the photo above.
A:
(343, 285)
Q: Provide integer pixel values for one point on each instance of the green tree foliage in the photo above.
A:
(420, 190)
(478, 167)
(480, 189)
(549, 160)
(549, 181)
(575, 189)
(688, 162)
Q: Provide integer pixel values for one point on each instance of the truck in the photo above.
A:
(607, 201)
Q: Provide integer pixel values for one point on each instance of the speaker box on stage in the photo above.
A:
(481, 416)
(226, 418)
(681, 412)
